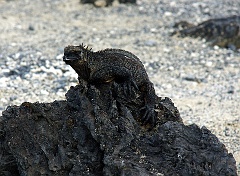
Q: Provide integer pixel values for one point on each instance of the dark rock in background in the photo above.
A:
(127, 1)
(224, 32)
(79, 137)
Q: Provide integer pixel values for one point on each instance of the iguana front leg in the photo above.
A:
(149, 114)
(114, 73)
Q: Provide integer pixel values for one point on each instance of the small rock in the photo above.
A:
(3, 82)
(171, 68)
(194, 54)
(150, 43)
(216, 47)
(59, 57)
(44, 92)
(30, 28)
(168, 14)
(209, 63)
(166, 50)
(100, 3)
(194, 78)
(231, 90)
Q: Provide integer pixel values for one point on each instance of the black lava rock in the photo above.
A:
(223, 32)
(79, 137)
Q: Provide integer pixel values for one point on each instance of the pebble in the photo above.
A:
(216, 47)
(209, 64)
(150, 43)
(194, 54)
(166, 50)
(4, 82)
(59, 57)
(31, 28)
(167, 14)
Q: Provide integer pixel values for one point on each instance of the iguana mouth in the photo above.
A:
(70, 58)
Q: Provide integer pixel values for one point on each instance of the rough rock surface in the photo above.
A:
(78, 137)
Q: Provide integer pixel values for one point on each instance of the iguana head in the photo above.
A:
(75, 53)
(77, 58)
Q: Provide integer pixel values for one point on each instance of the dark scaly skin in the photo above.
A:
(114, 65)
(222, 31)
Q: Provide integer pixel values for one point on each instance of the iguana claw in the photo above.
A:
(149, 116)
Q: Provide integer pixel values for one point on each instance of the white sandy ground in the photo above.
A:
(33, 35)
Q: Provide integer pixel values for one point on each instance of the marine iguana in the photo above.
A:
(114, 65)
